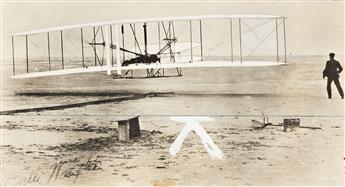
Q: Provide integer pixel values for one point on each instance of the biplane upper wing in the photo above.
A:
(119, 22)
(114, 52)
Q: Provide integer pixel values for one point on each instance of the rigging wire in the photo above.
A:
(212, 49)
(135, 37)
(262, 41)
(258, 38)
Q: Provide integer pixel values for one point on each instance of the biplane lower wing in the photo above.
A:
(185, 64)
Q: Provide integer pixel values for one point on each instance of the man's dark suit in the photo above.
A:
(331, 71)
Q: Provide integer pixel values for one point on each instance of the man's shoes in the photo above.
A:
(329, 97)
(342, 97)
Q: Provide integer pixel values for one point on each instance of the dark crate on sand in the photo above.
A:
(291, 123)
(128, 128)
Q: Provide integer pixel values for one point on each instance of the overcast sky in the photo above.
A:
(313, 28)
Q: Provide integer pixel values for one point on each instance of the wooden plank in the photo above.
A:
(134, 128)
(123, 128)
(128, 128)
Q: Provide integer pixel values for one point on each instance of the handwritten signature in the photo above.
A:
(71, 171)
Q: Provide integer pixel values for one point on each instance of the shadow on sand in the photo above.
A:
(120, 96)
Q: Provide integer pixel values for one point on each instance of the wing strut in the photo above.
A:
(284, 41)
(82, 46)
(48, 40)
(240, 37)
(62, 59)
(123, 41)
(231, 42)
(14, 69)
(201, 52)
(107, 49)
(94, 40)
(191, 40)
(101, 63)
(145, 38)
(277, 39)
(111, 40)
(27, 53)
(117, 42)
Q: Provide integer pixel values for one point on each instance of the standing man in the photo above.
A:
(331, 71)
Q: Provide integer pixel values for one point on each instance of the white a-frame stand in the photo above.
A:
(192, 123)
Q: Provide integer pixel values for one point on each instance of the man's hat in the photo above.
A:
(331, 55)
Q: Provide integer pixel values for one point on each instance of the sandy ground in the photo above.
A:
(79, 146)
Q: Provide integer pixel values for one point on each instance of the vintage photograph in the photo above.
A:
(172, 93)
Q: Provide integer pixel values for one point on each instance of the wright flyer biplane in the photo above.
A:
(152, 45)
